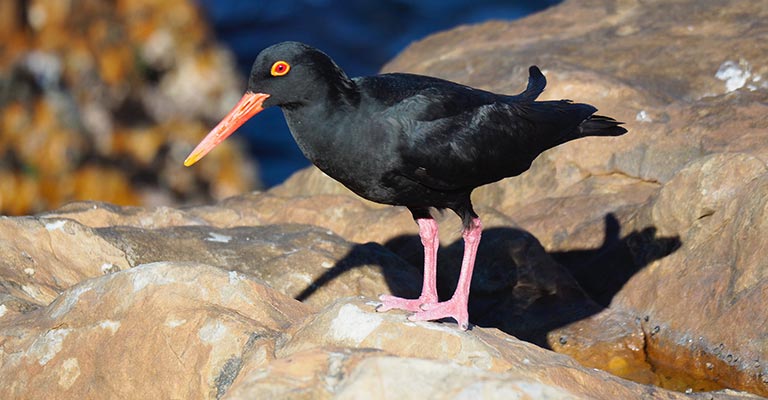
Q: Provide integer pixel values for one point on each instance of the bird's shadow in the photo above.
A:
(519, 287)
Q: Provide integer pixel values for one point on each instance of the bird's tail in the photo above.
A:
(598, 125)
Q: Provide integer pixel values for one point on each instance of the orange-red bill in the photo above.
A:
(248, 106)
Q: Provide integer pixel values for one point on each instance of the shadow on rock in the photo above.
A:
(520, 288)
(602, 272)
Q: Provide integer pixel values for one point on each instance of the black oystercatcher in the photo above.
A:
(409, 140)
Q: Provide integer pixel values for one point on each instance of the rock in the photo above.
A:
(304, 262)
(97, 104)
(704, 187)
(455, 357)
(721, 277)
(43, 257)
(224, 333)
(318, 373)
(442, 380)
(639, 255)
(159, 330)
(641, 97)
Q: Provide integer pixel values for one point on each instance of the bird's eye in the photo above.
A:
(280, 68)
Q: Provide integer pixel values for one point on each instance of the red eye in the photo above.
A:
(280, 68)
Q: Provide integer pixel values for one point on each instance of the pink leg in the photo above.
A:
(430, 240)
(456, 307)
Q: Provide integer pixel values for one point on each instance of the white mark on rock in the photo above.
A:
(642, 116)
(29, 271)
(70, 371)
(47, 346)
(353, 324)
(108, 268)
(110, 325)
(172, 323)
(326, 264)
(234, 277)
(335, 371)
(146, 274)
(3, 309)
(54, 226)
(217, 237)
(68, 301)
(444, 328)
(306, 278)
(734, 74)
(212, 332)
(33, 291)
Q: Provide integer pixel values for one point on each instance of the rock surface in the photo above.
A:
(640, 255)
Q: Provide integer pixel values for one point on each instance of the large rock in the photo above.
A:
(217, 331)
(162, 330)
(483, 362)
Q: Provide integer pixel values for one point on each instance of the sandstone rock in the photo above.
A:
(318, 373)
(440, 380)
(495, 360)
(42, 257)
(303, 262)
(719, 277)
(703, 117)
(159, 330)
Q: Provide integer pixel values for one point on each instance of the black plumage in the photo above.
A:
(410, 140)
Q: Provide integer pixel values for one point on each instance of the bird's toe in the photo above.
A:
(446, 309)
(389, 302)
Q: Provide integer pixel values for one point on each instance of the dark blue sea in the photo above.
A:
(361, 36)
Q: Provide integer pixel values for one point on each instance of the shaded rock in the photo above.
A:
(160, 330)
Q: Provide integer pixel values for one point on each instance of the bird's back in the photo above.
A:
(452, 137)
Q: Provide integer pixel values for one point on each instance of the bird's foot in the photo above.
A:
(397, 303)
(447, 309)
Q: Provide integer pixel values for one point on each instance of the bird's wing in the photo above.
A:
(452, 137)
(464, 149)
(454, 142)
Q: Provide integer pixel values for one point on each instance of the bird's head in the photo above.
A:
(288, 75)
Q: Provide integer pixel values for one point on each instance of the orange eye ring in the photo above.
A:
(280, 68)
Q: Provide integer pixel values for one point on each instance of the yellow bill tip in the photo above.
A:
(249, 105)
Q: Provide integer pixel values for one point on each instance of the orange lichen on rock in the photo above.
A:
(96, 109)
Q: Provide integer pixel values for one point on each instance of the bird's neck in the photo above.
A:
(315, 124)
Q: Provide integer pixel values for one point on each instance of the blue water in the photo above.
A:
(359, 35)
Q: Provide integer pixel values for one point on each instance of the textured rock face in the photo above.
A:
(640, 255)
(160, 330)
